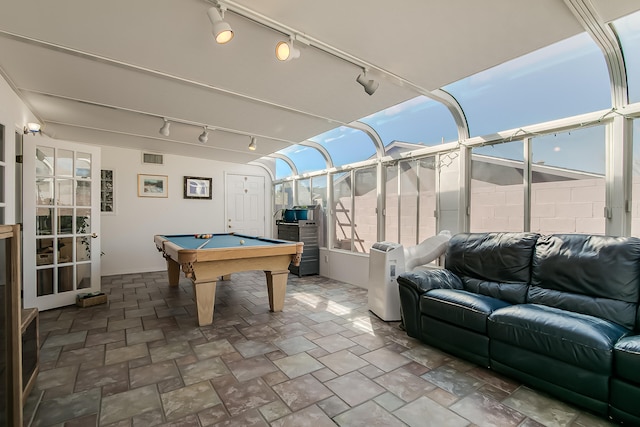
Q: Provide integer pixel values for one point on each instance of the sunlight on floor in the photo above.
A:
(309, 299)
(363, 323)
(337, 309)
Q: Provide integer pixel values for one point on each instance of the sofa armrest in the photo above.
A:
(422, 281)
(626, 354)
(412, 285)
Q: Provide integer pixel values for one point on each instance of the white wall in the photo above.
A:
(14, 115)
(347, 267)
(127, 235)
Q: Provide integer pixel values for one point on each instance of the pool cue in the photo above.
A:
(204, 244)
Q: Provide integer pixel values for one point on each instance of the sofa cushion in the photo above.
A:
(494, 257)
(602, 267)
(460, 308)
(620, 312)
(462, 342)
(574, 338)
(569, 382)
(515, 293)
(626, 355)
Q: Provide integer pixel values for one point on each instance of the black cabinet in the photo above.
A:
(307, 233)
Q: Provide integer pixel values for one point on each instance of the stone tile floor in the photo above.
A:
(141, 360)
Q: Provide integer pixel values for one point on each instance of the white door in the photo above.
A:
(245, 204)
(61, 200)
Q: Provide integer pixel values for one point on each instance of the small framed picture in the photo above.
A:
(152, 185)
(197, 187)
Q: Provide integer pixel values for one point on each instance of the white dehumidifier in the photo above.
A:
(386, 261)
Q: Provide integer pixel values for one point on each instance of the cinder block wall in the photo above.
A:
(575, 206)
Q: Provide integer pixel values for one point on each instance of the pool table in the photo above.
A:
(206, 260)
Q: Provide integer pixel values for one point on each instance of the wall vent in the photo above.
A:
(154, 159)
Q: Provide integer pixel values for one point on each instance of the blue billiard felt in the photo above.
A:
(189, 241)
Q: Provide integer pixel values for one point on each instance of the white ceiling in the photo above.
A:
(106, 72)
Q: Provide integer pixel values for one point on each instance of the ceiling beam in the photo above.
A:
(160, 74)
(154, 115)
(606, 39)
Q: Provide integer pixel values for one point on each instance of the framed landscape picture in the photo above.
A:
(197, 187)
(152, 185)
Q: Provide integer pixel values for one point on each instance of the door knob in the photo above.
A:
(94, 235)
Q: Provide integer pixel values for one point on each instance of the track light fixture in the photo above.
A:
(370, 86)
(286, 51)
(221, 29)
(204, 136)
(32, 128)
(253, 144)
(164, 130)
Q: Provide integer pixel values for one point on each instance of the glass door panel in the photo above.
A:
(64, 162)
(365, 217)
(408, 176)
(63, 233)
(342, 211)
(44, 221)
(64, 192)
(427, 204)
(391, 221)
(83, 165)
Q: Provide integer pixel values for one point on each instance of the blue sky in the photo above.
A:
(558, 81)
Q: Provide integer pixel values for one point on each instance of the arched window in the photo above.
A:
(561, 80)
(283, 170)
(419, 121)
(306, 159)
(346, 145)
(628, 30)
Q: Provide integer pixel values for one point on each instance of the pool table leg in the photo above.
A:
(205, 298)
(173, 270)
(276, 287)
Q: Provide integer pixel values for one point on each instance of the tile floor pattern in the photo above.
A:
(141, 360)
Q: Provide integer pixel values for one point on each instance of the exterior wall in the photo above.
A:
(366, 229)
(575, 206)
(428, 223)
(635, 206)
(568, 207)
(496, 207)
(408, 223)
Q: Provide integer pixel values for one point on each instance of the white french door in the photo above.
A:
(245, 204)
(61, 219)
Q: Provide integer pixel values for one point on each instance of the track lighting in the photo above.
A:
(286, 51)
(253, 145)
(221, 29)
(32, 128)
(204, 136)
(370, 86)
(164, 130)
